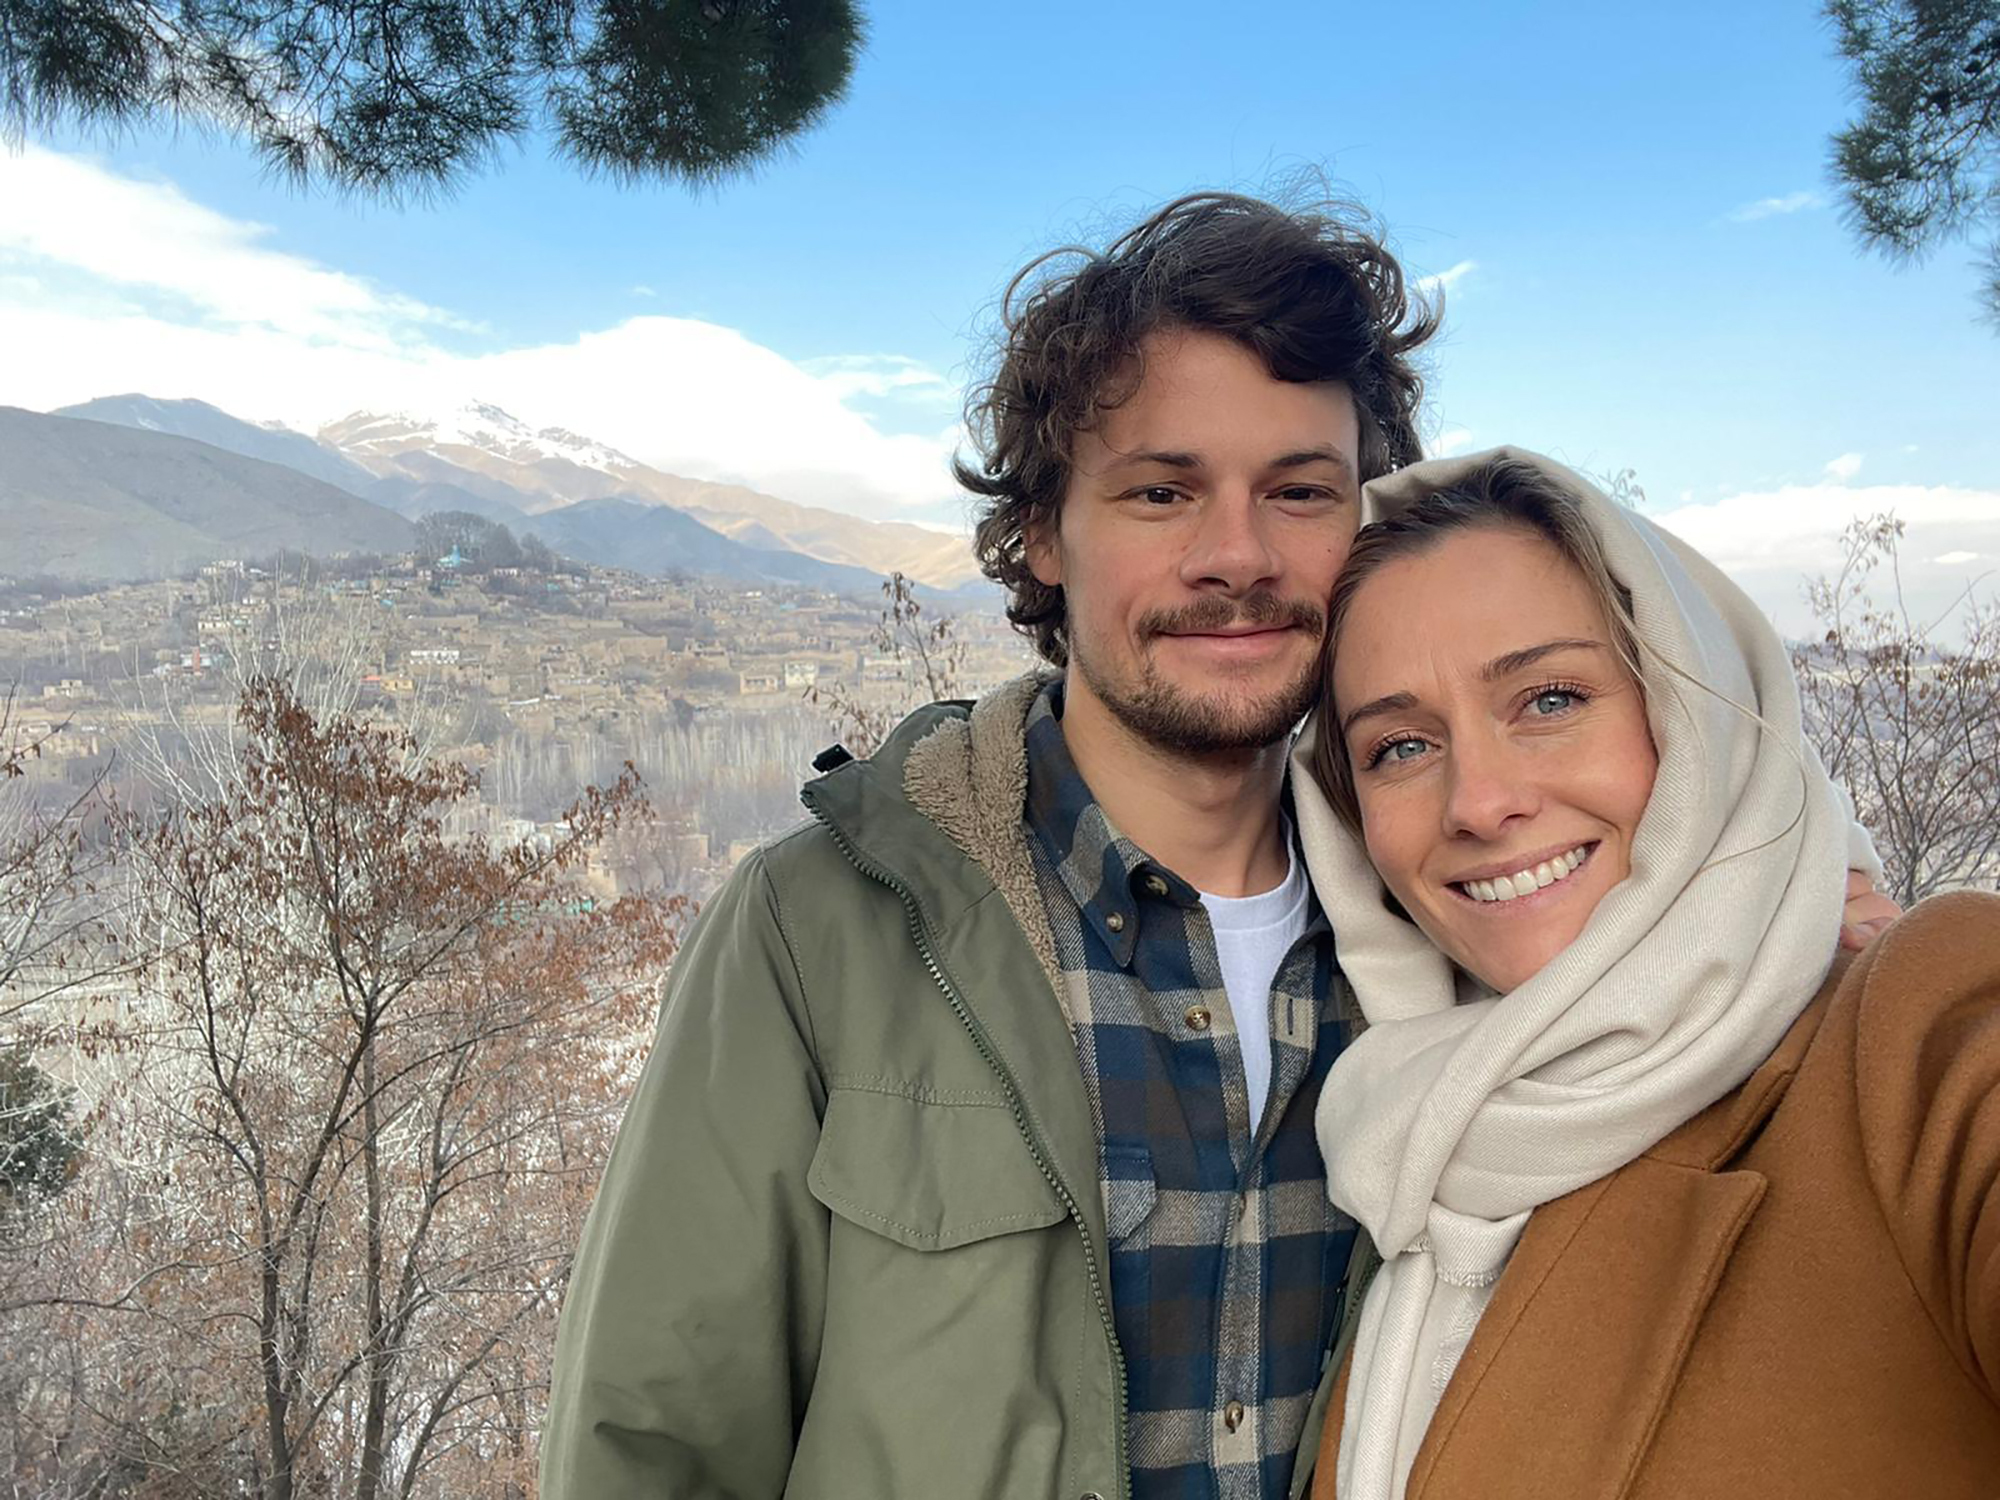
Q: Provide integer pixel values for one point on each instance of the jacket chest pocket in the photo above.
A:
(925, 1175)
(957, 1305)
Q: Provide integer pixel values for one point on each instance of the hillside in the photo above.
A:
(216, 427)
(87, 499)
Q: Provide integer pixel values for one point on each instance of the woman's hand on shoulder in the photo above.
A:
(1867, 912)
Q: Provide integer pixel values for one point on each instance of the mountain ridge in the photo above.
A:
(558, 467)
(122, 499)
(191, 417)
(101, 500)
(481, 459)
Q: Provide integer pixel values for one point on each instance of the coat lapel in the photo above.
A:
(1564, 1380)
(1566, 1376)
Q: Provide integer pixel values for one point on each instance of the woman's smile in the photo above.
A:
(1516, 881)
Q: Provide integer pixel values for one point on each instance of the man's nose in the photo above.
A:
(1232, 548)
(1488, 786)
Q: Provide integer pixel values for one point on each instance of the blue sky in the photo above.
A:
(1631, 205)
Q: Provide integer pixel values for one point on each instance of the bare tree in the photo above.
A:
(931, 652)
(1906, 713)
(52, 939)
(188, 746)
(348, 1122)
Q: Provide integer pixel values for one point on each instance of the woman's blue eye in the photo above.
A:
(1398, 750)
(1556, 700)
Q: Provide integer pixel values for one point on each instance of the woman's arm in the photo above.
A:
(1927, 1073)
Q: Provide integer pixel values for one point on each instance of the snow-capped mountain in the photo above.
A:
(483, 449)
(478, 426)
(583, 497)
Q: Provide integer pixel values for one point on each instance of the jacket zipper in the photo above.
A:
(921, 936)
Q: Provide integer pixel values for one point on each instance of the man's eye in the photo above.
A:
(1159, 494)
(1305, 494)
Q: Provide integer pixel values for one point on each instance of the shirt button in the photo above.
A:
(1156, 885)
(1116, 921)
(1197, 1017)
(1232, 1415)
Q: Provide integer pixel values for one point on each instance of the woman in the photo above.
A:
(1666, 1209)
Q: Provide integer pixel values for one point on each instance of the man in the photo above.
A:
(975, 1155)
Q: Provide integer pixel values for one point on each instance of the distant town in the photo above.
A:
(542, 674)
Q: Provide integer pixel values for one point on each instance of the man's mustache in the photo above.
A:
(1212, 614)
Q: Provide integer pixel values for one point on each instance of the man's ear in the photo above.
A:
(1040, 545)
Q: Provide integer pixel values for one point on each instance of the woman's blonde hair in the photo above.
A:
(1506, 493)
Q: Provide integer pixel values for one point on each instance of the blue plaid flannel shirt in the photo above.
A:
(1226, 1256)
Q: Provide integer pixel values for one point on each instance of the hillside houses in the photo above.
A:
(575, 671)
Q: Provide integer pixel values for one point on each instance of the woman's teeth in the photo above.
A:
(1521, 882)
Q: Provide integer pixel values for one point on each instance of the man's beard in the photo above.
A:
(1173, 719)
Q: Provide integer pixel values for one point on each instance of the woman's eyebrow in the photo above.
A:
(1527, 656)
(1389, 703)
(1500, 666)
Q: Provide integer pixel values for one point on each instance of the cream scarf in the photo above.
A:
(1456, 1113)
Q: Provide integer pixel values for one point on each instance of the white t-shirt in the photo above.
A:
(1252, 936)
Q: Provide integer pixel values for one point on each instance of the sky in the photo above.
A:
(1627, 210)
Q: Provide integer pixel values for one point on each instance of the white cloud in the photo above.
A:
(1771, 541)
(699, 399)
(1448, 280)
(1843, 468)
(642, 290)
(110, 284)
(153, 245)
(848, 375)
(1451, 440)
(1768, 208)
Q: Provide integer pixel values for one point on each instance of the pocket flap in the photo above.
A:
(929, 1176)
(1129, 1192)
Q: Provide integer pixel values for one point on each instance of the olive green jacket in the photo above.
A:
(850, 1241)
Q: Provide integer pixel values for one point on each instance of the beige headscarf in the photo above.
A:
(1451, 1118)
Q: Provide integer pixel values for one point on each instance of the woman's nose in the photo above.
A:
(1488, 787)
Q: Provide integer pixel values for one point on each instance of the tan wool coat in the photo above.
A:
(1795, 1296)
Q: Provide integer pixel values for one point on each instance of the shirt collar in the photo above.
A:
(1111, 879)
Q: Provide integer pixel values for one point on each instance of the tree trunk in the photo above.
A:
(380, 1358)
(277, 1407)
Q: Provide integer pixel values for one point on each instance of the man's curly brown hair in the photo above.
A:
(1314, 294)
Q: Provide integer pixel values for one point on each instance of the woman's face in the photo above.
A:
(1500, 750)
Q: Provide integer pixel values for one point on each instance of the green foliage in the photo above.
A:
(482, 544)
(40, 1144)
(400, 97)
(1921, 166)
(694, 90)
